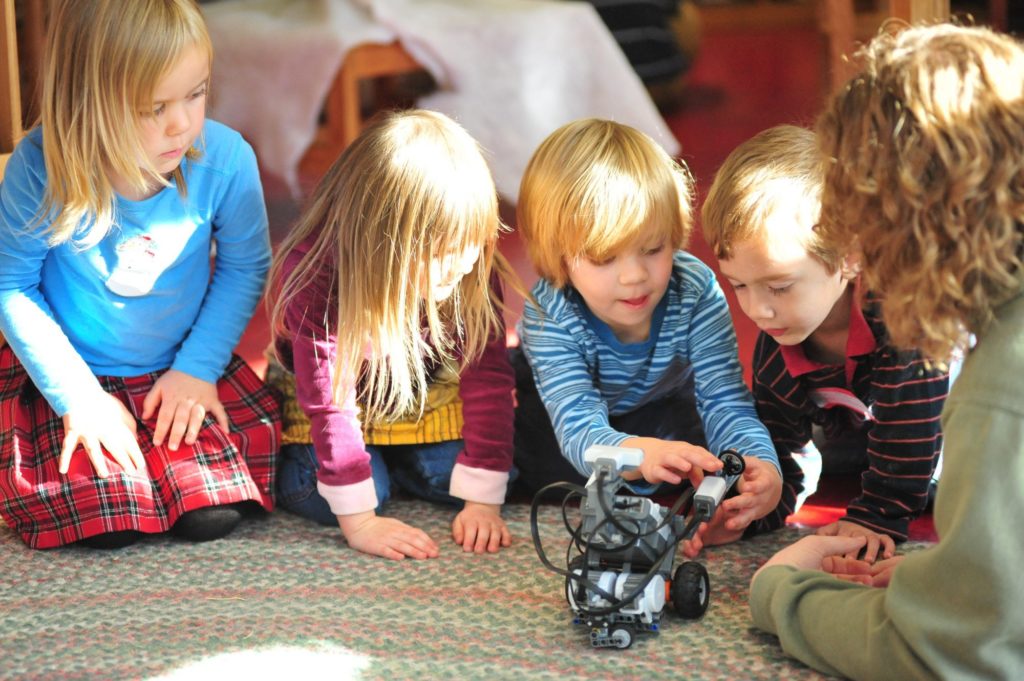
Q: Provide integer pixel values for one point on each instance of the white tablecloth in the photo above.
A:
(510, 71)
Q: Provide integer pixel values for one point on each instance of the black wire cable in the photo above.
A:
(573, 578)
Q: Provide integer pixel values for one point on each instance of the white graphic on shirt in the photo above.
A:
(137, 268)
(827, 398)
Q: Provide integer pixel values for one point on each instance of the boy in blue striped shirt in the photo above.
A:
(628, 340)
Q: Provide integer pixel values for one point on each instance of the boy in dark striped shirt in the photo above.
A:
(823, 356)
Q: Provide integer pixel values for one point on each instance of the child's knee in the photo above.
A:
(296, 485)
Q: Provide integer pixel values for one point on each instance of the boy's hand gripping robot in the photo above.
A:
(619, 578)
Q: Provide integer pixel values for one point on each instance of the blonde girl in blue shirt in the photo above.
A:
(122, 408)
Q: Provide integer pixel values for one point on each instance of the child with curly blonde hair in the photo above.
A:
(388, 326)
(927, 178)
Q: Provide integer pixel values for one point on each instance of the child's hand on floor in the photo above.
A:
(106, 424)
(669, 460)
(385, 537)
(184, 402)
(479, 528)
(875, 541)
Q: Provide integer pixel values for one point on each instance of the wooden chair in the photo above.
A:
(10, 89)
(344, 108)
(843, 27)
(10, 85)
(345, 111)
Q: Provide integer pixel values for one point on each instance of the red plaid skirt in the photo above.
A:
(49, 509)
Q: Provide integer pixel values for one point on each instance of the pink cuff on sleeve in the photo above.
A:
(348, 499)
(478, 484)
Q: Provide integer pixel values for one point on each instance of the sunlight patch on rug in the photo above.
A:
(322, 661)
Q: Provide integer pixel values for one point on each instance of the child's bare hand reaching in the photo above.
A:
(669, 461)
(759, 490)
(183, 402)
(480, 528)
(386, 537)
(106, 424)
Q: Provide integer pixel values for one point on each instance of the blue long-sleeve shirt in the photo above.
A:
(142, 299)
(584, 373)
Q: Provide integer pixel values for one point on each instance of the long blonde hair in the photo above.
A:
(412, 187)
(103, 61)
(928, 176)
(592, 187)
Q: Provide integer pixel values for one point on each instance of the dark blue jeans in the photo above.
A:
(422, 470)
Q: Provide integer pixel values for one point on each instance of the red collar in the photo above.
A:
(860, 341)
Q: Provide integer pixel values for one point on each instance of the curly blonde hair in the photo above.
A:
(414, 186)
(592, 187)
(927, 177)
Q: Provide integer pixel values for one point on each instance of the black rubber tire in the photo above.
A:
(691, 590)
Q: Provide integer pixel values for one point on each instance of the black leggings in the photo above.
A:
(202, 524)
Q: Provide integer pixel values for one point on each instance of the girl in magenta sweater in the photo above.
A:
(388, 329)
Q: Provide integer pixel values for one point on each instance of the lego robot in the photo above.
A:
(621, 576)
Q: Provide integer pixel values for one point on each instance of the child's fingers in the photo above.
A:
(123, 460)
(665, 474)
(127, 418)
(856, 579)
(135, 453)
(483, 538)
(183, 414)
(695, 476)
(458, 531)
(150, 403)
(385, 551)
(491, 541)
(196, 416)
(67, 449)
(494, 540)
(841, 565)
(411, 542)
(421, 540)
(741, 521)
(740, 502)
(119, 453)
(870, 551)
(409, 550)
(164, 419)
(888, 546)
(692, 547)
(220, 415)
(738, 511)
(472, 532)
(703, 459)
(95, 452)
(754, 486)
